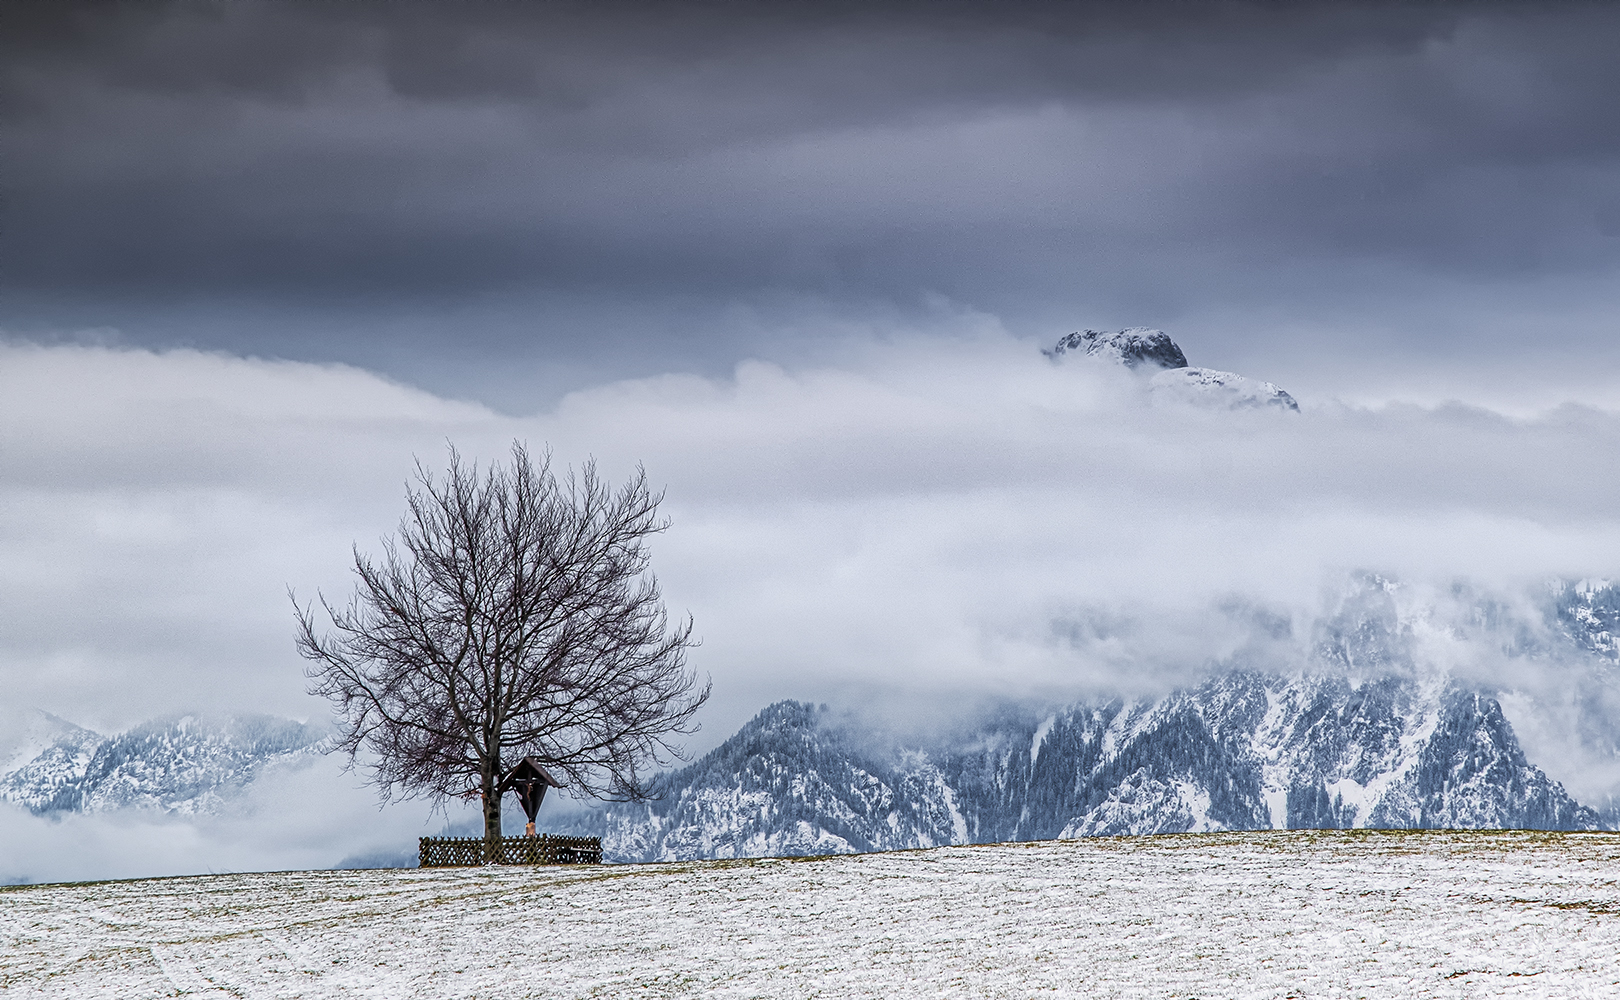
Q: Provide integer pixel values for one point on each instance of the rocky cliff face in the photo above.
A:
(1137, 347)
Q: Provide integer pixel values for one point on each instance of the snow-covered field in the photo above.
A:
(1304, 914)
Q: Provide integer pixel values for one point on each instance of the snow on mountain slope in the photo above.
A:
(182, 764)
(1589, 611)
(1228, 390)
(1360, 736)
(1364, 732)
(46, 761)
(785, 785)
(1243, 751)
(1173, 380)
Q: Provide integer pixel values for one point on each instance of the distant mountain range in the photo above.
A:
(181, 764)
(1241, 752)
(1362, 739)
(1360, 736)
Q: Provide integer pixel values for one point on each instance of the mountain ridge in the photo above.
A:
(1357, 733)
(1361, 734)
(183, 764)
(1242, 751)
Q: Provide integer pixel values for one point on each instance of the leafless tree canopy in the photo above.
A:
(514, 615)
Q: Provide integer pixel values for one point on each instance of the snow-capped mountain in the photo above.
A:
(1359, 735)
(181, 764)
(1136, 347)
(47, 759)
(1244, 751)
(1173, 380)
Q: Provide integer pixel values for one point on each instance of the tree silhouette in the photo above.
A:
(514, 615)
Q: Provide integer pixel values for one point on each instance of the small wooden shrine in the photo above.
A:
(530, 781)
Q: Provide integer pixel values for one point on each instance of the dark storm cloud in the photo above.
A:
(1132, 159)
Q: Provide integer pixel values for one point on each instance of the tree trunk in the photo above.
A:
(492, 812)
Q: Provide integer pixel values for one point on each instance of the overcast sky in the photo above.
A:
(506, 201)
(799, 261)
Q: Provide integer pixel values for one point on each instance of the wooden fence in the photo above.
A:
(451, 852)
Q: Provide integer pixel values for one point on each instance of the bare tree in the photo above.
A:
(513, 616)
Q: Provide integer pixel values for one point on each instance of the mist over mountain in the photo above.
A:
(179, 765)
(1364, 725)
(1144, 350)
(1241, 752)
(1360, 735)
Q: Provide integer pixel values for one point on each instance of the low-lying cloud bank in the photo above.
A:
(291, 818)
(935, 521)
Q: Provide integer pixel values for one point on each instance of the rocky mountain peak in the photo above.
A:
(1173, 380)
(1133, 348)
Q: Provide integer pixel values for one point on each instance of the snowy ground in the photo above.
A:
(1213, 915)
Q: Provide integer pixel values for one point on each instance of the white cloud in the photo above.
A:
(910, 515)
(294, 818)
(928, 521)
